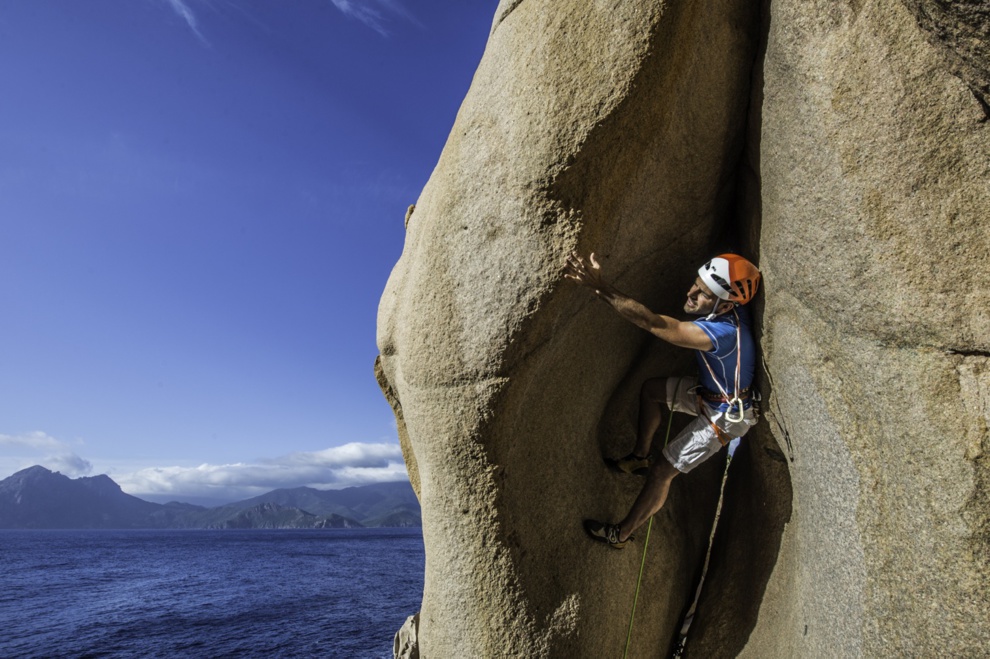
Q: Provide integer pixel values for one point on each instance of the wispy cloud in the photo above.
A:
(184, 12)
(40, 448)
(376, 14)
(341, 466)
(35, 441)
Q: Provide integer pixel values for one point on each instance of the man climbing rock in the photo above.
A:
(719, 397)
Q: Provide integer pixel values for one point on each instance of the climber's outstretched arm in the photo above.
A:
(679, 333)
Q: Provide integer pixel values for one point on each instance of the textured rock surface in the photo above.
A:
(591, 125)
(960, 32)
(621, 127)
(405, 644)
(875, 168)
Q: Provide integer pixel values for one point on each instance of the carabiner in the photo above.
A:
(728, 413)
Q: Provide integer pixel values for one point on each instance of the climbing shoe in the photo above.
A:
(607, 533)
(630, 464)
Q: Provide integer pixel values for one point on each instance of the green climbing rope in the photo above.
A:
(642, 563)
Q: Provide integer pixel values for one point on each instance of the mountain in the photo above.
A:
(39, 498)
(372, 505)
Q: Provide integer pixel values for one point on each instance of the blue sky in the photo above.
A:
(200, 203)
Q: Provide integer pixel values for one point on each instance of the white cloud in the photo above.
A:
(341, 466)
(374, 13)
(39, 448)
(32, 441)
(69, 464)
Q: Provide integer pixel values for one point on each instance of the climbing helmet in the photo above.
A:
(731, 277)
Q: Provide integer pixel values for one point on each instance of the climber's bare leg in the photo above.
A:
(651, 498)
(652, 396)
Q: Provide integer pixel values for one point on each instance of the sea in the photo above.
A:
(252, 593)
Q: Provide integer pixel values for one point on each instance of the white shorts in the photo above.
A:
(698, 441)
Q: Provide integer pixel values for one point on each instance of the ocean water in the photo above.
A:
(287, 593)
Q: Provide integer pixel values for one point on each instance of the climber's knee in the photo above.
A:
(663, 470)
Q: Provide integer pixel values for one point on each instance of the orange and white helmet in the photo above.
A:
(731, 277)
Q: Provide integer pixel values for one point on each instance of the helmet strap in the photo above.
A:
(715, 312)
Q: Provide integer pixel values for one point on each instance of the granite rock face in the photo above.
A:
(875, 163)
(405, 644)
(589, 126)
(960, 33)
(855, 166)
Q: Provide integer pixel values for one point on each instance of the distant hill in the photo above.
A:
(372, 505)
(274, 516)
(42, 499)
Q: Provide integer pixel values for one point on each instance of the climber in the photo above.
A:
(719, 397)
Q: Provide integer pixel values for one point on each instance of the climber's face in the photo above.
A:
(700, 299)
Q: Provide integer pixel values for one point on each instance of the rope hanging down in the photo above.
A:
(689, 616)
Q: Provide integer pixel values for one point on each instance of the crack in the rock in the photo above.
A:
(981, 99)
(778, 416)
(968, 353)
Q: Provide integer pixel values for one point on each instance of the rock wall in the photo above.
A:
(875, 163)
(855, 165)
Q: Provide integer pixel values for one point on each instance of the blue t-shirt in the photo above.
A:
(722, 357)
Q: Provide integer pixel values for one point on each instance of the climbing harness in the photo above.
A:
(735, 401)
(723, 437)
(646, 544)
